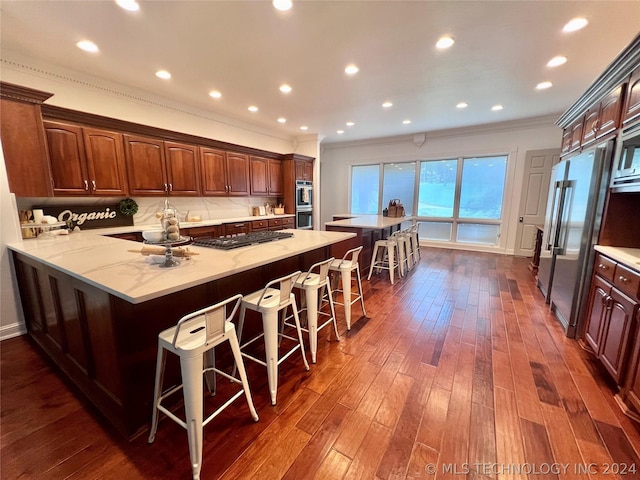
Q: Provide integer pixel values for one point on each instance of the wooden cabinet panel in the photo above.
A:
(24, 148)
(145, 166)
(566, 141)
(627, 280)
(276, 185)
(304, 170)
(259, 176)
(211, 231)
(632, 386)
(105, 161)
(631, 110)
(67, 159)
(609, 116)
(259, 225)
(605, 267)
(289, 222)
(213, 171)
(238, 174)
(615, 338)
(576, 134)
(182, 169)
(590, 126)
(597, 313)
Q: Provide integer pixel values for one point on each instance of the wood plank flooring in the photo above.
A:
(459, 371)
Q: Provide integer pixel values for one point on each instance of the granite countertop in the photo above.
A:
(106, 263)
(369, 221)
(629, 257)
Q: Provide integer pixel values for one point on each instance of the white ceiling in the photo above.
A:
(246, 49)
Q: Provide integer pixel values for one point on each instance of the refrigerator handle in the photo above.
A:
(555, 216)
(561, 240)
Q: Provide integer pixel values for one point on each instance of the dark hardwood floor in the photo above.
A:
(459, 371)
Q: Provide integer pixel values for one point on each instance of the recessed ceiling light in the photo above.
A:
(406, 122)
(130, 5)
(351, 69)
(215, 94)
(87, 46)
(282, 5)
(575, 24)
(387, 105)
(304, 127)
(557, 61)
(340, 132)
(253, 108)
(350, 124)
(163, 74)
(282, 120)
(284, 88)
(445, 42)
(462, 105)
(497, 108)
(543, 85)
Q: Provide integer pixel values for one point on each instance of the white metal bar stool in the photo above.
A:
(196, 335)
(415, 242)
(386, 257)
(314, 281)
(405, 253)
(348, 264)
(269, 302)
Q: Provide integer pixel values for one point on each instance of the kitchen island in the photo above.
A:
(368, 229)
(95, 309)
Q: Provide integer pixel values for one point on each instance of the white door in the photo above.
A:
(533, 199)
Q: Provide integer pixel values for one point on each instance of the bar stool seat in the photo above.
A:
(314, 284)
(195, 336)
(270, 302)
(386, 257)
(344, 267)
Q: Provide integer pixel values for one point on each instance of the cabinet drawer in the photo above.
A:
(236, 228)
(259, 225)
(275, 222)
(288, 222)
(203, 232)
(627, 280)
(605, 267)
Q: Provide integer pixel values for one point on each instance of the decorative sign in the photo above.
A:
(87, 217)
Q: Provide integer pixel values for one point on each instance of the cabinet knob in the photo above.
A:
(623, 279)
(603, 267)
(86, 185)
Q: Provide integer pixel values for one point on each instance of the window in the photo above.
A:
(458, 199)
(365, 189)
(398, 183)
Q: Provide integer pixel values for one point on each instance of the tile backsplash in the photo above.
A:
(209, 208)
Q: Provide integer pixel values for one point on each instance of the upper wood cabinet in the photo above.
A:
(155, 167)
(85, 161)
(304, 170)
(603, 117)
(631, 110)
(266, 177)
(23, 141)
(224, 173)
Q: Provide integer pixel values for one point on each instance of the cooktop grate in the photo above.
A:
(242, 240)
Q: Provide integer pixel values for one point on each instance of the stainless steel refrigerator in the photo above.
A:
(572, 224)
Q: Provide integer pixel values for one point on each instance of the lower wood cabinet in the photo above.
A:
(236, 228)
(612, 317)
(211, 231)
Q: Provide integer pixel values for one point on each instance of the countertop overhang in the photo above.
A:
(378, 222)
(106, 263)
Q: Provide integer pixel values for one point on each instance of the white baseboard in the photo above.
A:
(13, 330)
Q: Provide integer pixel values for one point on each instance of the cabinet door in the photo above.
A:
(631, 109)
(566, 141)
(25, 149)
(238, 174)
(145, 166)
(597, 311)
(308, 171)
(300, 171)
(576, 134)
(590, 125)
(632, 384)
(182, 169)
(615, 338)
(213, 172)
(259, 176)
(105, 162)
(276, 183)
(609, 116)
(67, 159)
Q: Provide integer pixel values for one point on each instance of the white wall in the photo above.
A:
(512, 138)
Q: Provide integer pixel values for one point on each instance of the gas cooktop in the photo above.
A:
(242, 240)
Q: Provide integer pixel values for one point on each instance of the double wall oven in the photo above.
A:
(304, 204)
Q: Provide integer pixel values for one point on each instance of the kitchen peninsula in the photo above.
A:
(95, 309)
(368, 229)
